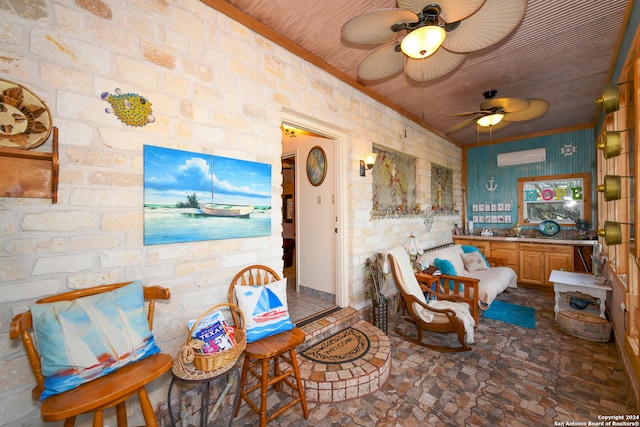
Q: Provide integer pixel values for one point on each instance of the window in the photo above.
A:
(559, 198)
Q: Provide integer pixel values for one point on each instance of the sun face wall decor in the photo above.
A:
(25, 121)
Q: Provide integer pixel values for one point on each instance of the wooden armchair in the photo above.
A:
(104, 392)
(444, 313)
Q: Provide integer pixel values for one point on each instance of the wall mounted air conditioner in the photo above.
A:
(522, 157)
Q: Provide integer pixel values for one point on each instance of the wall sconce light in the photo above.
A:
(610, 144)
(609, 99)
(367, 163)
(612, 232)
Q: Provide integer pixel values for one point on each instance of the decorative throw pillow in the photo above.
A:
(264, 308)
(469, 249)
(473, 261)
(445, 266)
(89, 337)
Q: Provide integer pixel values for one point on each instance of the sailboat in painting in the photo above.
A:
(218, 209)
(269, 307)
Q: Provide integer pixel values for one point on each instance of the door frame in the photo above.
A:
(338, 136)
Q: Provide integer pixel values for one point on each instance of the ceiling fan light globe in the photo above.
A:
(423, 42)
(490, 120)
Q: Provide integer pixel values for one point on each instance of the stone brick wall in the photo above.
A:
(215, 87)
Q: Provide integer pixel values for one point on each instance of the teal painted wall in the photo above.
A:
(482, 164)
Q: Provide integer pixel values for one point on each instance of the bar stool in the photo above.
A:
(259, 354)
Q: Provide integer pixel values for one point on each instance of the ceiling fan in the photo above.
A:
(437, 36)
(497, 113)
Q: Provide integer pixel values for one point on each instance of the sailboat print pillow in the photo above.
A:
(264, 308)
(89, 337)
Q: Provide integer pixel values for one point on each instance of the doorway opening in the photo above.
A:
(308, 228)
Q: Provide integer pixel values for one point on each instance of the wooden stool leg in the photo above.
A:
(147, 409)
(97, 419)
(264, 385)
(121, 414)
(276, 373)
(296, 370)
(70, 422)
(243, 380)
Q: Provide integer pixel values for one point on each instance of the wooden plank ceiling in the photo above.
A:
(562, 51)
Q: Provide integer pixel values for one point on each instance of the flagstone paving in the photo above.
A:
(513, 377)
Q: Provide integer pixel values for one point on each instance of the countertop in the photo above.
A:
(548, 240)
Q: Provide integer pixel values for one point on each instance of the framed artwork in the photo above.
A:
(474, 207)
(287, 205)
(507, 207)
(394, 181)
(494, 207)
(191, 197)
(316, 166)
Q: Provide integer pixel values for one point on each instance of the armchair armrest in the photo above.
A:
(446, 311)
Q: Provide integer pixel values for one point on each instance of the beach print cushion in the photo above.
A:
(264, 308)
(89, 337)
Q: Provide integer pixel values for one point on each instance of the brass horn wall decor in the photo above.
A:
(610, 144)
(612, 232)
(610, 99)
(612, 187)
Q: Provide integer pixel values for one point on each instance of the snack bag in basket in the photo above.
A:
(213, 331)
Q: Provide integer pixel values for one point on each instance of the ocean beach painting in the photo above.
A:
(192, 197)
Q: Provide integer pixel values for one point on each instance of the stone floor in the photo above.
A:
(512, 377)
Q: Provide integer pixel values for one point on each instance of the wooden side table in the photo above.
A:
(428, 280)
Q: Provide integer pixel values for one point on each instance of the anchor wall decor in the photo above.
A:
(491, 186)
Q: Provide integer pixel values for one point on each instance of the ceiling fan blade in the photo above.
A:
(507, 105)
(437, 65)
(375, 27)
(383, 62)
(494, 128)
(538, 107)
(491, 23)
(461, 125)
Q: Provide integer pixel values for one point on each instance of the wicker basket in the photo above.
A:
(220, 360)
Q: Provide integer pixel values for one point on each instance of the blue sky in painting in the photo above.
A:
(170, 175)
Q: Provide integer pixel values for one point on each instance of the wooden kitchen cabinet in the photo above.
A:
(538, 260)
(507, 251)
